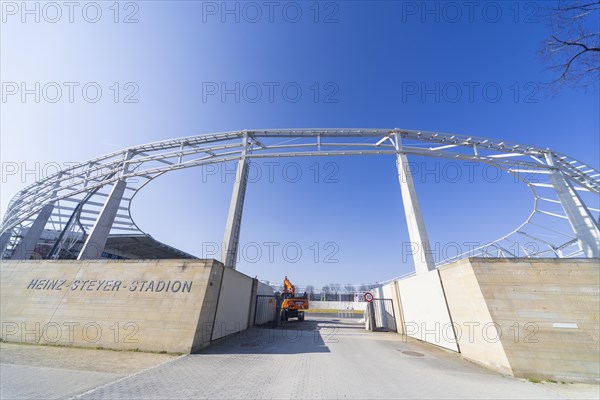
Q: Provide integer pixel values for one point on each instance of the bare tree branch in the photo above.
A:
(573, 48)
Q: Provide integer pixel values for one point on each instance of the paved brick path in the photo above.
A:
(324, 357)
(46, 372)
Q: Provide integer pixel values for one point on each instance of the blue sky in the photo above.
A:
(357, 64)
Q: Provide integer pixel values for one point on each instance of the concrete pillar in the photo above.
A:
(581, 220)
(422, 255)
(234, 218)
(4, 240)
(94, 245)
(26, 246)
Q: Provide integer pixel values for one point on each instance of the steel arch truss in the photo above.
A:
(74, 201)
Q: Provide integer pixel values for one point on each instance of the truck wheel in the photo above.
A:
(301, 317)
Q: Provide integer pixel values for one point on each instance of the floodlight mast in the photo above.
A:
(91, 200)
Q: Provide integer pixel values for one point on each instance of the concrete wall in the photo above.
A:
(337, 305)
(424, 310)
(385, 315)
(533, 318)
(238, 292)
(152, 305)
(471, 317)
(264, 290)
(208, 310)
(391, 291)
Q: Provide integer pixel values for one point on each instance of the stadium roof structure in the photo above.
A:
(140, 246)
(91, 201)
(120, 246)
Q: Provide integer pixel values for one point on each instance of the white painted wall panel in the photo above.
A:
(234, 304)
(425, 312)
(264, 290)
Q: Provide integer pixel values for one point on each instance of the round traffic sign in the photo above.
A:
(368, 297)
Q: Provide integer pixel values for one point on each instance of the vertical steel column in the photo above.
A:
(94, 245)
(26, 246)
(422, 257)
(234, 218)
(4, 240)
(581, 220)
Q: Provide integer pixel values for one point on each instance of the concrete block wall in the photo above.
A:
(208, 310)
(555, 305)
(471, 316)
(534, 318)
(177, 306)
(147, 305)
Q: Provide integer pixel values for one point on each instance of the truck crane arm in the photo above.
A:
(288, 288)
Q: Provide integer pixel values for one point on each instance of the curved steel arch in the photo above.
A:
(80, 201)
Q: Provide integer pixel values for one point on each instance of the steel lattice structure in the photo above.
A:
(91, 200)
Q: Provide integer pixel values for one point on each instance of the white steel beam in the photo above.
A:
(5, 239)
(151, 160)
(94, 244)
(234, 218)
(26, 246)
(581, 220)
(422, 257)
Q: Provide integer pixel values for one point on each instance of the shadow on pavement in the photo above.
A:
(293, 337)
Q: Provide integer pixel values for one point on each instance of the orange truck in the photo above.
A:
(292, 306)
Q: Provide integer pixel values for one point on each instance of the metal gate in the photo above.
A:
(381, 316)
(265, 310)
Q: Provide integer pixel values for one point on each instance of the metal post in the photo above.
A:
(94, 245)
(26, 246)
(417, 233)
(234, 218)
(585, 227)
(371, 317)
